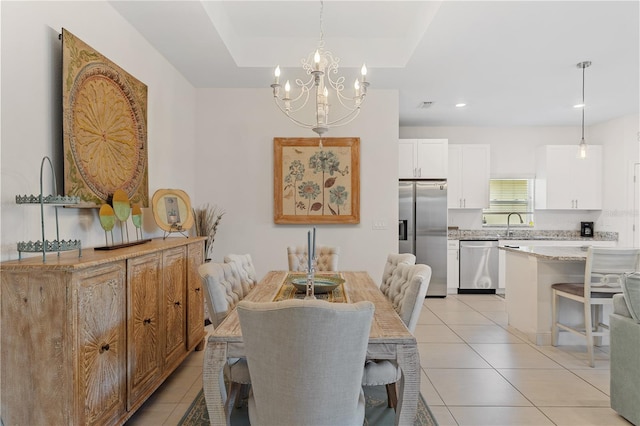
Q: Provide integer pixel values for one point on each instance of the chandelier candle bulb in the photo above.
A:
(363, 71)
(287, 89)
(277, 74)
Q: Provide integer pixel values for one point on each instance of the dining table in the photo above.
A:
(389, 339)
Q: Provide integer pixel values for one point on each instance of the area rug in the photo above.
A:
(376, 412)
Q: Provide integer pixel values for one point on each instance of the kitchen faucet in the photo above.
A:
(509, 223)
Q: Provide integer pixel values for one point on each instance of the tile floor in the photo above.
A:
(475, 371)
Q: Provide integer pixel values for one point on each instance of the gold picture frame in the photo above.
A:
(316, 184)
(105, 126)
(172, 210)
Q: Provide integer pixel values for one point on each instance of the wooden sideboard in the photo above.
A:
(87, 340)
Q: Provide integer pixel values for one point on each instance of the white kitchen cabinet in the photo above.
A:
(468, 179)
(422, 158)
(566, 182)
(453, 266)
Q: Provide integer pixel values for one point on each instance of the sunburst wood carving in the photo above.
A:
(105, 126)
(144, 276)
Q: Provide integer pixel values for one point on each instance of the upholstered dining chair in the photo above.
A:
(223, 291)
(327, 258)
(393, 260)
(306, 358)
(604, 270)
(245, 269)
(408, 287)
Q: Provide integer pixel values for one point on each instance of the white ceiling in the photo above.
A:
(512, 62)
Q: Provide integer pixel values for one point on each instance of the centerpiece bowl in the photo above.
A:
(321, 285)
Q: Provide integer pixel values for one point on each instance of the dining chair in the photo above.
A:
(393, 260)
(408, 287)
(223, 291)
(604, 270)
(245, 269)
(306, 358)
(327, 258)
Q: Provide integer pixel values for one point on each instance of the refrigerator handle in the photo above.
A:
(402, 230)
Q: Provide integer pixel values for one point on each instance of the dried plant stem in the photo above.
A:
(207, 219)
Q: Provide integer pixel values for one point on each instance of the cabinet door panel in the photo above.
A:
(35, 333)
(432, 155)
(475, 176)
(174, 285)
(454, 180)
(406, 158)
(195, 296)
(101, 343)
(145, 319)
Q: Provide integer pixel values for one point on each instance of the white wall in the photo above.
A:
(32, 113)
(513, 151)
(235, 168)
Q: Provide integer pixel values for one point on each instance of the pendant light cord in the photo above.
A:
(583, 104)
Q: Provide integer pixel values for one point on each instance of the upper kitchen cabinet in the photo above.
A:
(566, 182)
(468, 179)
(422, 158)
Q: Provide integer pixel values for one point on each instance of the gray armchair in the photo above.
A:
(407, 289)
(299, 376)
(245, 269)
(393, 260)
(327, 258)
(223, 291)
(624, 324)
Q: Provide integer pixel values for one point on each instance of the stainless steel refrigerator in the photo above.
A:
(423, 228)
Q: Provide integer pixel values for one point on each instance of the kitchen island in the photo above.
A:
(529, 274)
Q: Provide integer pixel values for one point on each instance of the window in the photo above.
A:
(509, 196)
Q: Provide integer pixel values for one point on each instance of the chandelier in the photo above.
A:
(324, 88)
(582, 148)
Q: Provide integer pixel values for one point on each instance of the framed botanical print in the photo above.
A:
(316, 182)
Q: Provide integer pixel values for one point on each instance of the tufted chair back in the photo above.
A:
(407, 290)
(392, 263)
(245, 268)
(223, 289)
(327, 258)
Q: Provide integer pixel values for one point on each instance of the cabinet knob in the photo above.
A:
(177, 303)
(104, 348)
(197, 289)
(147, 321)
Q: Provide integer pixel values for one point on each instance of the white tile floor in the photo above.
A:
(475, 371)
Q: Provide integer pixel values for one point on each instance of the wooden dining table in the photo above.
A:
(389, 339)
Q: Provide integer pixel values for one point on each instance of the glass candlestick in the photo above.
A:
(311, 282)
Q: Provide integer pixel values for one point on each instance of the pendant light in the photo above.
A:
(582, 152)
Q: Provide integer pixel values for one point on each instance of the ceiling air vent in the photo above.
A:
(425, 104)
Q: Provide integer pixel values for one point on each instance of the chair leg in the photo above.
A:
(554, 318)
(392, 396)
(597, 323)
(588, 330)
(243, 395)
(234, 391)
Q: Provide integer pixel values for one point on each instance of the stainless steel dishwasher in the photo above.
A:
(478, 266)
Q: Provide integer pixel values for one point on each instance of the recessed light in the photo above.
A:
(578, 106)
(461, 105)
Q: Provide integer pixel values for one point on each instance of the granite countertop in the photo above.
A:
(496, 234)
(550, 252)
